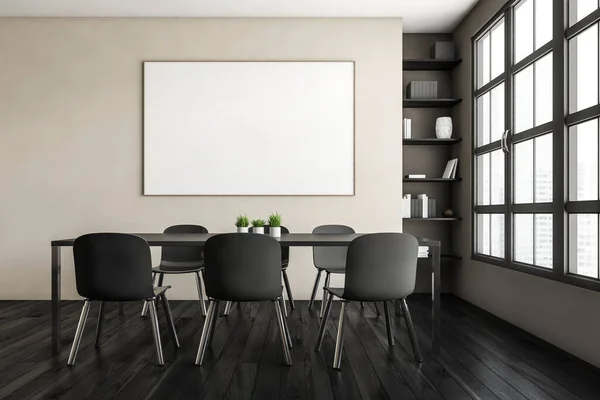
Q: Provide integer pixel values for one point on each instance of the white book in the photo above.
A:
(409, 128)
(407, 133)
(406, 208)
(423, 205)
(416, 176)
(448, 170)
(454, 167)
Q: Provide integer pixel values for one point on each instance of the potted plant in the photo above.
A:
(275, 225)
(258, 225)
(242, 223)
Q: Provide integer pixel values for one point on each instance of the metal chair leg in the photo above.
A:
(200, 294)
(156, 332)
(327, 278)
(227, 308)
(161, 278)
(281, 323)
(314, 291)
(213, 325)
(288, 289)
(397, 308)
(208, 321)
(324, 322)
(283, 306)
(100, 325)
(145, 308)
(388, 323)
(79, 332)
(170, 321)
(288, 336)
(377, 309)
(362, 304)
(411, 332)
(339, 343)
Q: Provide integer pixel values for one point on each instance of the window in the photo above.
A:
(536, 174)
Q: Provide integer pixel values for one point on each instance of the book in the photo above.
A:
(454, 167)
(407, 128)
(406, 206)
(415, 176)
(447, 170)
(450, 170)
(423, 205)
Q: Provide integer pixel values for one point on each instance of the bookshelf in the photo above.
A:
(425, 154)
(431, 142)
(432, 180)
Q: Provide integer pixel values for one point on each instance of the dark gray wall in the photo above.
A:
(564, 315)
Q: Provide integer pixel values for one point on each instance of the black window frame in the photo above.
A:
(560, 208)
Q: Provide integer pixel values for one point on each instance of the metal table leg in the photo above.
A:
(56, 329)
(436, 289)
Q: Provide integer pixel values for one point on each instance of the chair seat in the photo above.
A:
(170, 267)
(160, 290)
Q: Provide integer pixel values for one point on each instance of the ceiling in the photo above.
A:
(419, 15)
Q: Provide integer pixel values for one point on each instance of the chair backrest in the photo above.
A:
(113, 267)
(381, 266)
(331, 256)
(285, 251)
(242, 267)
(185, 254)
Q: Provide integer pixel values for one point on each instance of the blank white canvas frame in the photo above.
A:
(249, 128)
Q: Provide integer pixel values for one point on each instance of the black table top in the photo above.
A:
(289, 239)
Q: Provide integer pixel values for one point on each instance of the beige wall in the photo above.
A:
(564, 315)
(71, 134)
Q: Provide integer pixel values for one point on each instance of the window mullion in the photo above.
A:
(560, 107)
(508, 118)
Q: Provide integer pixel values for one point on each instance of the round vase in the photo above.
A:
(242, 229)
(258, 229)
(275, 231)
(443, 128)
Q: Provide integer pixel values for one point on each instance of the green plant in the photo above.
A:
(242, 221)
(275, 220)
(258, 223)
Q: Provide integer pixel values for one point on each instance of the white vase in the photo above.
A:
(242, 229)
(443, 128)
(275, 231)
(258, 229)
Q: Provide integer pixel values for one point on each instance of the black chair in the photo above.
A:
(114, 267)
(181, 260)
(285, 260)
(332, 260)
(379, 267)
(241, 267)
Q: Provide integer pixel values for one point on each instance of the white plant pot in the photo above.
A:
(258, 229)
(242, 229)
(275, 231)
(443, 128)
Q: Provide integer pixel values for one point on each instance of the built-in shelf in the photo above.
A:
(430, 142)
(430, 65)
(433, 219)
(430, 103)
(432, 180)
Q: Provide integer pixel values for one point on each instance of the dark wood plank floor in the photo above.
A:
(482, 357)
